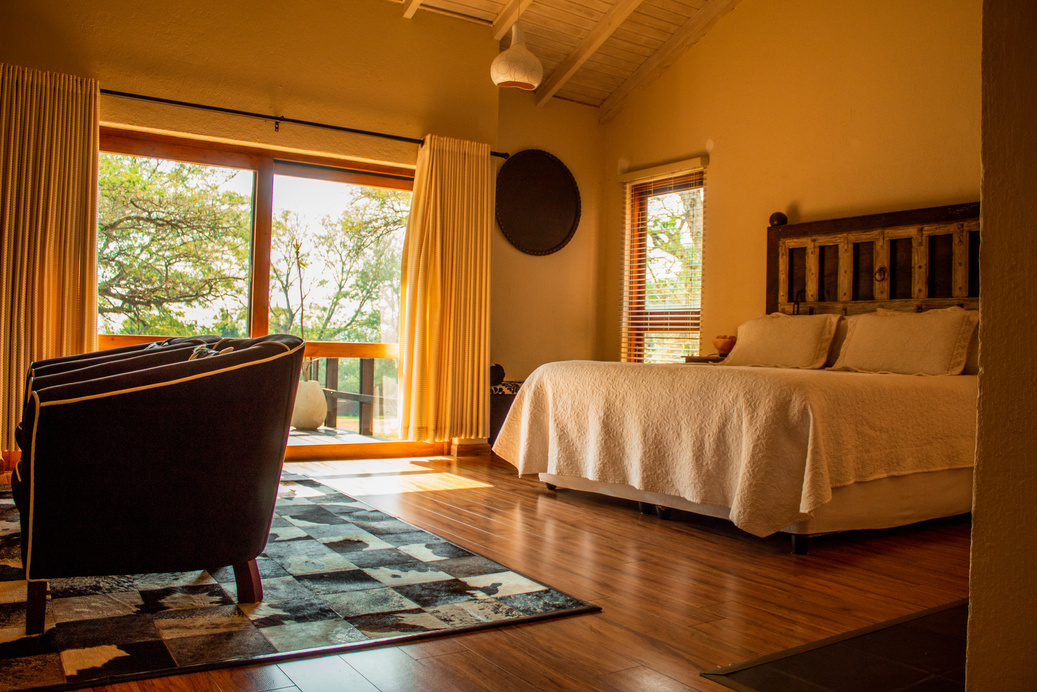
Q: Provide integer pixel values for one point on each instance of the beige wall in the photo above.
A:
(356, 63)
(544, 307)
(1002, 636)
(816, 108)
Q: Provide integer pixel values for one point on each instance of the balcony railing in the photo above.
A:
(369, 401)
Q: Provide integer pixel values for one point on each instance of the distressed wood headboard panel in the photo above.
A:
(909, 260)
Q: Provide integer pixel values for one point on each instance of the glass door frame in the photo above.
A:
(266, 163)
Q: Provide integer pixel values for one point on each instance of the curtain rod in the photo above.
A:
(278, 119)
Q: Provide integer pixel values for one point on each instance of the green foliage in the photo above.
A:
(333, 283)
(174, 247)
(169, 240)
(674, 266)
(673, 270)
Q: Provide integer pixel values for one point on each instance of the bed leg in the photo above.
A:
(646, 507)
(663, 512)
(551, 486)
(800, 543)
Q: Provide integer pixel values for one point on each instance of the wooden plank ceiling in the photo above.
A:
(596, 52)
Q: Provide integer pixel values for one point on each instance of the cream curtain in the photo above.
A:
(49, 132)
(444, 302)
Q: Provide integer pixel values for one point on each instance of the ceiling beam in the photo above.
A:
(616, 15)
(508, 16)
(682, 39)
(410, 7)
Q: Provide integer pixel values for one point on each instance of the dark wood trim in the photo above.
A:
(262, 241)
(135, 143)
(314, 349)
(116, 140)
(317, 168)
(107, 341)
(334, 349)
(911, 217)
(366, 450)
(772, 268)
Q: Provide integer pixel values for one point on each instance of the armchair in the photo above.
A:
(157, 458)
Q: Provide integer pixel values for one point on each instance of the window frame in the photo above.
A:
(637, 320)
(266, 163)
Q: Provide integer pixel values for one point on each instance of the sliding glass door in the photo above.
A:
(335, 279)
(173, 246)
(196, 238)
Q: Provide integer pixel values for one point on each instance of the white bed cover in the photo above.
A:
(769, 443)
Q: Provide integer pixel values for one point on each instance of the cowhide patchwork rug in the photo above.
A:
(337, 575)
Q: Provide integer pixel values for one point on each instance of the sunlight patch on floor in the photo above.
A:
(387, 476)
(358, 486)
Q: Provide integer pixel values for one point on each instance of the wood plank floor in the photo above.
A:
(679, 597)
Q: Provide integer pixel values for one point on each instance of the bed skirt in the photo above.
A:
(877, 504)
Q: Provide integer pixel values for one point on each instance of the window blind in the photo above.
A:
(662, 273)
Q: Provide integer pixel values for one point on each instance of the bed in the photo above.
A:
(850, 405)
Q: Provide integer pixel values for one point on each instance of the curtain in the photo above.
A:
(444, 302)
(49, 133)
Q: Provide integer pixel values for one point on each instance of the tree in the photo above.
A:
(673, 272)
(174, 248)
(170, 240)
(333, 282)
(675, 233)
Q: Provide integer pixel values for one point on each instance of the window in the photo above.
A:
(335, 262)
(204, 238)
(663, 268)
(173, 247)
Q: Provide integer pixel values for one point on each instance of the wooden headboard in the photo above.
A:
(909, 260)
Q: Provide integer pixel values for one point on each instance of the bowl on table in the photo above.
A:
(724, 344)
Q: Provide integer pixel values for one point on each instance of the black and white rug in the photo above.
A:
(337, 575)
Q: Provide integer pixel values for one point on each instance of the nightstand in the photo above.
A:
(704, 359)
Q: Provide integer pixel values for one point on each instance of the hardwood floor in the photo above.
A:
(679, 597)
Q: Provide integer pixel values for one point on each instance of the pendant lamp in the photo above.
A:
(516, 67)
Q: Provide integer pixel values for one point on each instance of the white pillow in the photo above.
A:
(784, 341)
(910, 343)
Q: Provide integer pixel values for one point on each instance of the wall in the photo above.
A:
(819, 109)
(1002, 638)
(544, 307)
(356, 64)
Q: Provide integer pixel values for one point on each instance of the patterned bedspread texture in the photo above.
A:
(768, 443)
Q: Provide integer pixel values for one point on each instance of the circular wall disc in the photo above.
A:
(538, 202)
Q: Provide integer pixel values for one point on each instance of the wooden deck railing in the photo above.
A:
(367, 353)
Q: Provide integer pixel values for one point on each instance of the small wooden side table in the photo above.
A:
(704, 359)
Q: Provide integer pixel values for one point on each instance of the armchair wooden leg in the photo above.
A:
(36, 607)
(250, 586)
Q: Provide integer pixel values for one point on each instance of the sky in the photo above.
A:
(311, 198)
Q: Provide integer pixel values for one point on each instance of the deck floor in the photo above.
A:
(330, 436)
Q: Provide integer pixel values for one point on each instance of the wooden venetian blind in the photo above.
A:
(662, 276)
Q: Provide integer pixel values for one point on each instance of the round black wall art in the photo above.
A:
(538, 202)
